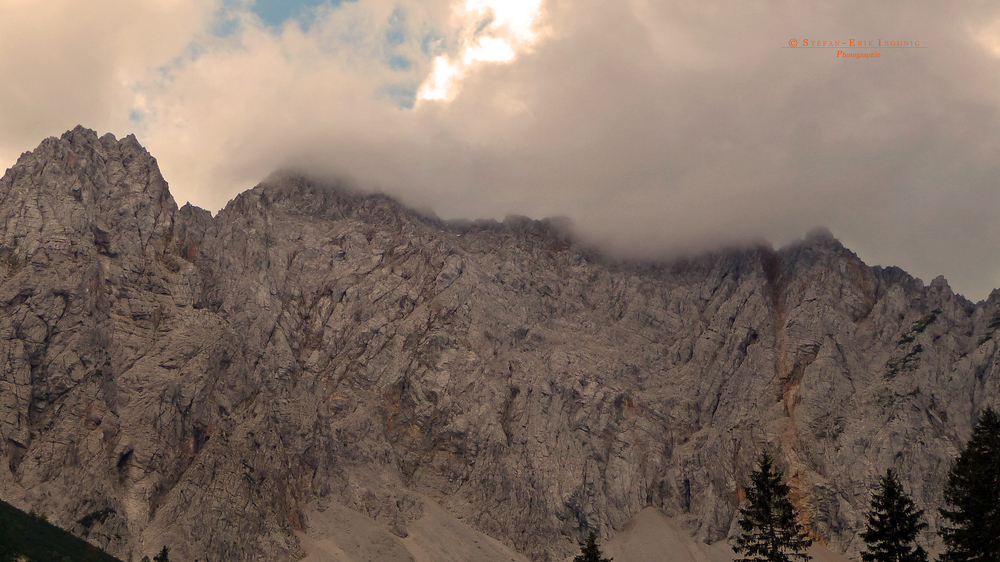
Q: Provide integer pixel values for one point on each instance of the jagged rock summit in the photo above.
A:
(173, 378)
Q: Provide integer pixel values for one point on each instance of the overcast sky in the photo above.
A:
(657, 126)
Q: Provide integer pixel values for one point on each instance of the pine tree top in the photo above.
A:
(893, 525)
(771, 531)
(591, 552)
(972, 497)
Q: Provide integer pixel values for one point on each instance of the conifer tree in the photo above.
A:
(770, 530)
(972, 497)
(590, 552)
(893, 525)
(163, 556)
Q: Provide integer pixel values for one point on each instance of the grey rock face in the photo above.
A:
(207, 378)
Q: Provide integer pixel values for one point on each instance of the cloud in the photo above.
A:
(65, 62)
(658, 127)
(490, 31)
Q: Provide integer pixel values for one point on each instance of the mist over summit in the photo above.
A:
(660, 128)
(312, 357)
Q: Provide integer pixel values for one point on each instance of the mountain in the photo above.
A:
(218, 383)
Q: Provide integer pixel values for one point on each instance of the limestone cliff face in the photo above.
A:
(207, 378)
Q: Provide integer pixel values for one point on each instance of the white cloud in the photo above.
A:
(490, 31)
(657, 126)
(65, 62)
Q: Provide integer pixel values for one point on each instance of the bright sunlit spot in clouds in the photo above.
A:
(492, 31)
(989, 37)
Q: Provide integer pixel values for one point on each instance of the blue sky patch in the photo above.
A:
(402, 95)
(433, 44)
(224, 27)
(276, 12)
(396, 33)
(486, 21)
(400, 63)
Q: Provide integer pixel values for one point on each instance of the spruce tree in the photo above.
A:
(163, 556)
(590, 552)
(972, 497)
(893, 525)
(770, 530)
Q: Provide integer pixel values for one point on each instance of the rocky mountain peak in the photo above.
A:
(86, 193)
